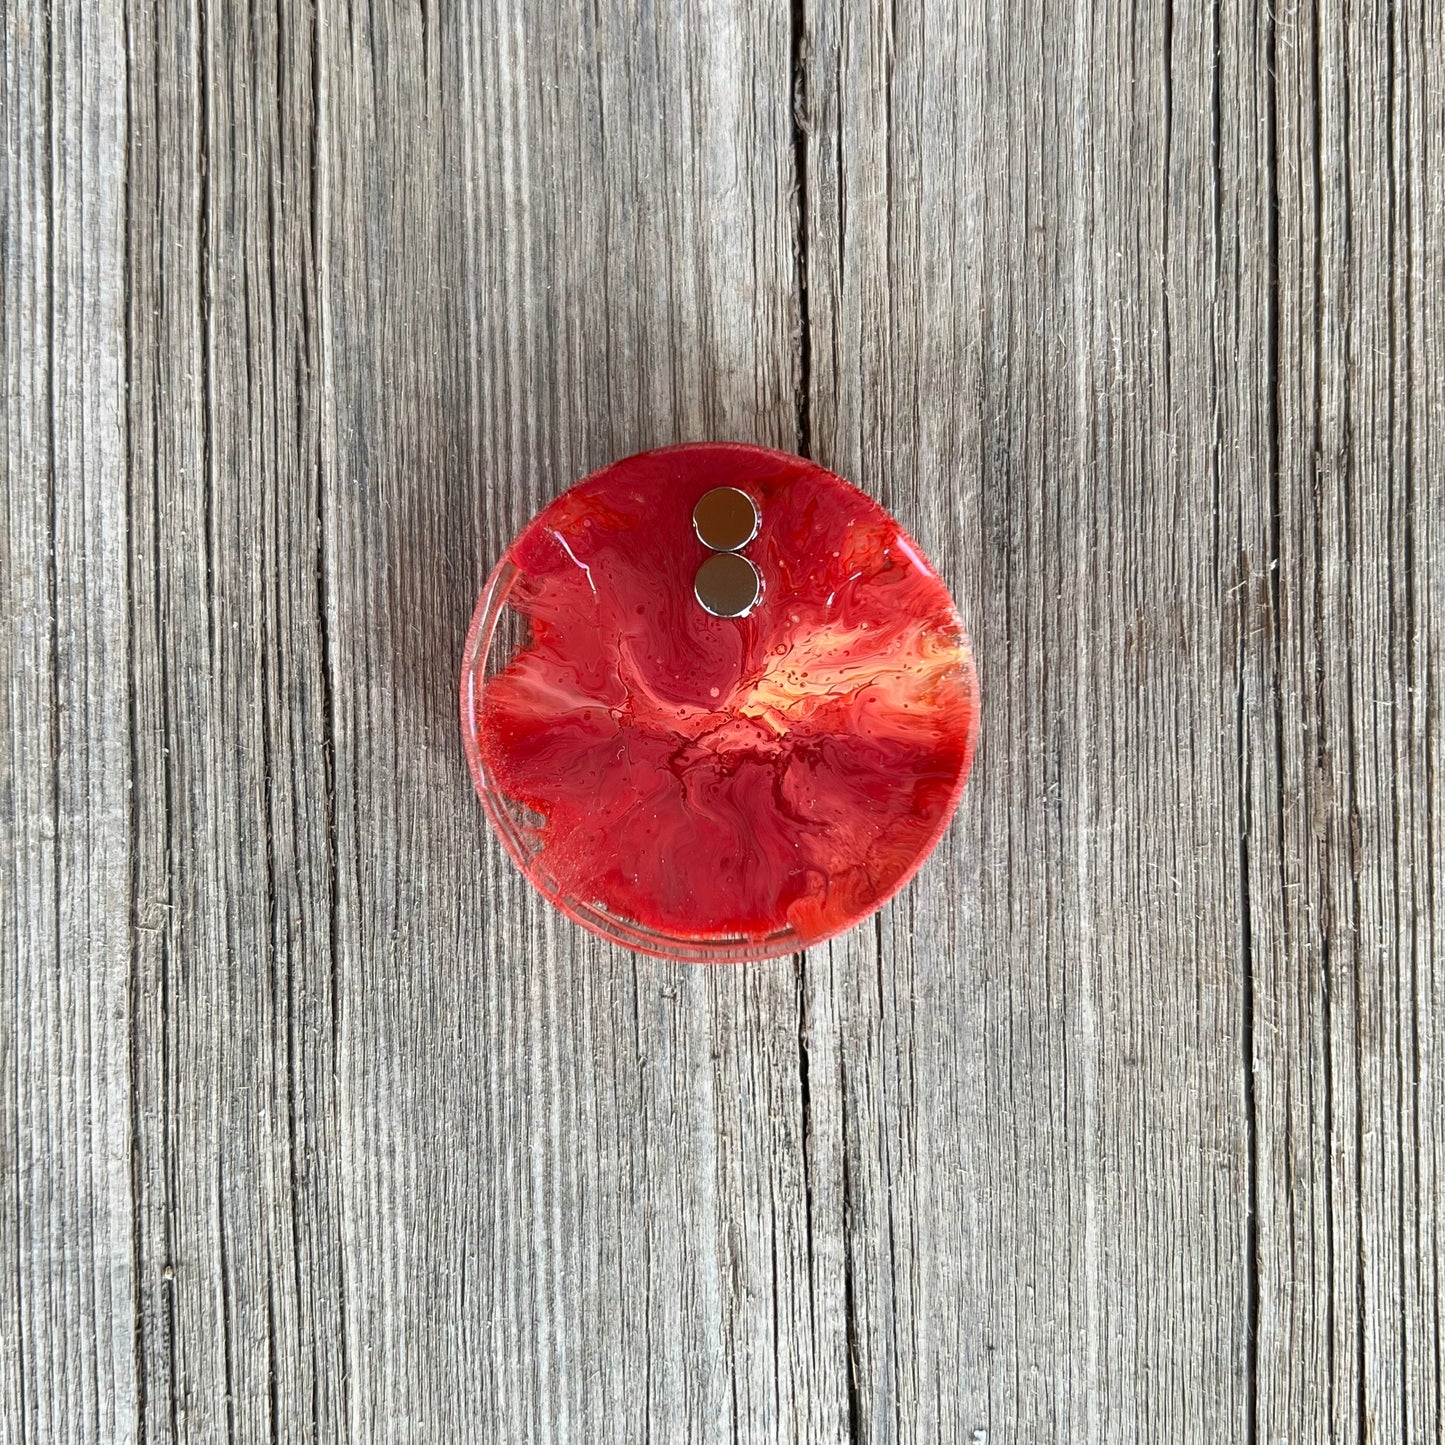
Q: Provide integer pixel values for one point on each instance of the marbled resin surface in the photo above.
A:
(718, 787)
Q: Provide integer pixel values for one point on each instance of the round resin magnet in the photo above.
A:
(717, 703)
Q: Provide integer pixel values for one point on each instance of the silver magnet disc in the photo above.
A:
(725, 519)
(727, 585)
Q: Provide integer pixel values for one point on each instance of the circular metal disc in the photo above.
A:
(725, 519)
(727, 585)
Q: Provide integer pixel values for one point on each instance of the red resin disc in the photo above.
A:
(704, 787)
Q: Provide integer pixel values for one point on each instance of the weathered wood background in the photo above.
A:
(1126, 1122)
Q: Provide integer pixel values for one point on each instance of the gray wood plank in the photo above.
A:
(1045, 1097)
(576, 1205)
(68, 1368)
(1100, 310)
(1125, 1120)
(237, 1144)
(1344, 655)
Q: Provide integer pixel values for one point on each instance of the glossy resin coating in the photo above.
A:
(706, 787)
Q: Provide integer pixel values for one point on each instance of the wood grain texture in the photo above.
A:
(1126, 1120)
